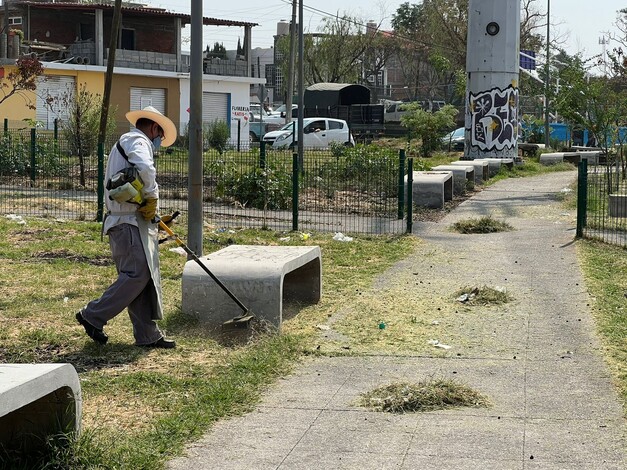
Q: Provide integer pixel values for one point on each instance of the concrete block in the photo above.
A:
(431, 188)
(261, 277)
(463, 176)
(482, 169)
(618, 205)
(495, 164)
(36, 401)
(591, 156)
(552, 158)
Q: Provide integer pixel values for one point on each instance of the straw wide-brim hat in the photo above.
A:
(169, 129)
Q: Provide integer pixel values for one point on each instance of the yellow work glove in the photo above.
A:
(148, 209)
(170, 219)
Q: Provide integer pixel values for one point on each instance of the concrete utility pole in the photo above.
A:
(290, 76)
(195, 219)
(492, 61)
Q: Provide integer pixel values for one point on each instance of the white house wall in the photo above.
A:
(239, 92)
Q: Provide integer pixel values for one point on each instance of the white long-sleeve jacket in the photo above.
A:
(139, 150)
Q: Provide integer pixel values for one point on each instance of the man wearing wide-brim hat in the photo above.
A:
(133, 235)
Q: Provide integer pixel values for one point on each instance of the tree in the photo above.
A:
(218, 50)
(429, 126)
(22, 79)
(597, 104)
(83, 122)
(432, 37)
(334, 54)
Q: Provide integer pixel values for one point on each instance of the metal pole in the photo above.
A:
(33, 154)
(582, 196)
(547, 127)
(290, 77)
(100, 184)
(195, 186)
(401, 183)
(295, 191)
(301, 81)
(410, 202)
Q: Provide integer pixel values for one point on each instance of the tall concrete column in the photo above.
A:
(99, 37)
(248, 40)
(492, 61)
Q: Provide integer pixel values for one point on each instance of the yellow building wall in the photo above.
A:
(16, 107)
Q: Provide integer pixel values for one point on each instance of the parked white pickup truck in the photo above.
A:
(318, 132)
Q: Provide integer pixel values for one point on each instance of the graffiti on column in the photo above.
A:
(494, 118)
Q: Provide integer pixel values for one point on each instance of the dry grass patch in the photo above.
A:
(427, 395)
(485, 224)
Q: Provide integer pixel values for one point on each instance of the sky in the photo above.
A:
(580, 24)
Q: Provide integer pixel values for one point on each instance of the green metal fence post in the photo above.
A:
(401, 183)
(582, 196)
(295, 191)
(56, 129)
(100, 187)
(262, 154)
(239, 134)
(6, 125)
(33, 156)
(410, 181)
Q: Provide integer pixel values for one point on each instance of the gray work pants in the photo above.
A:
(132, 289)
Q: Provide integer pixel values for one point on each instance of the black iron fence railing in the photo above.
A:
(602, 201)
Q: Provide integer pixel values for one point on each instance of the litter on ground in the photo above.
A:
(340, 237)
(437, 344)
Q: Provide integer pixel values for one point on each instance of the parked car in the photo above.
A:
(281, 111)
(455, 139)
(260, 114)
(317, 133)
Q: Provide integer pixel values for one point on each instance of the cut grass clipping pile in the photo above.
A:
(431, 395)
(484, 224)
(482, 295)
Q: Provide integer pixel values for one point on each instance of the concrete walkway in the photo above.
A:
(537, 359)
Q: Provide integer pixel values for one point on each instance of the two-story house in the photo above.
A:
(72, 41)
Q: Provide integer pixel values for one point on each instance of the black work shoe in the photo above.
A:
(94, 333)
(160, 343)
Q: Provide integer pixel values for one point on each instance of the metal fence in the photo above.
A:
(602, 201)
(358, 189)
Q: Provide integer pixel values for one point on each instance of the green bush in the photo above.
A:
(364, 168)
(269, 188)
(14, 155)
(216, 135)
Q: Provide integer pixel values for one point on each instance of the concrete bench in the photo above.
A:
(36, 401)
(482, 169)
(552, 158)
(463, 176)
(593, 156)
(431, 188)
(618, 205)
(261, 277)
(495, 164)
(529, 150)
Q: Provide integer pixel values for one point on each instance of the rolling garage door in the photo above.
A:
(215, 106)
(52, 91)
(142, 97)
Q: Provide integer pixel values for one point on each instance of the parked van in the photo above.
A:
(317, 133)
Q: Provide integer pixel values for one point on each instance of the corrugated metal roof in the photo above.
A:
(327, 86)
(134, 11)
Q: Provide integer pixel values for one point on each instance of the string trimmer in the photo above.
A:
(246, 316)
